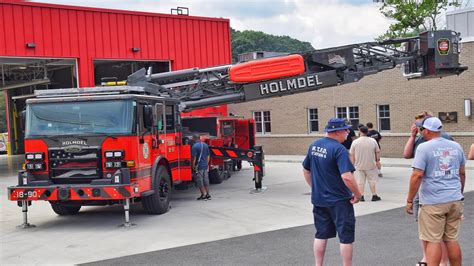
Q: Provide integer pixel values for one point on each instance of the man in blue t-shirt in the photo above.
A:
(439, 167)
(200, 164)
(328, 171)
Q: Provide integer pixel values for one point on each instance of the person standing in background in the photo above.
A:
(439, 167)
(350, 137)
(200, 165)
(416, 138)
(471, 153)
(365, 154)
(377, 136)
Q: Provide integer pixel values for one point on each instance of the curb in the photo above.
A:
(404, 165)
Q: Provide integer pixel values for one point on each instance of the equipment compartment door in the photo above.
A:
(185, 163)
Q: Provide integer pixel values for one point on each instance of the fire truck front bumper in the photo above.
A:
(103, 189)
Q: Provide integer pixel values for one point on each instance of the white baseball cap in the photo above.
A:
(431, 123)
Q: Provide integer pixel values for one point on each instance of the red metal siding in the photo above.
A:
(88, 34)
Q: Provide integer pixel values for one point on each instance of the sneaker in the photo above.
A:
(208, 197)
(202, 197)
(362, 198)
(376, 198)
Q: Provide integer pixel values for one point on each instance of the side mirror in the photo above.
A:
(148, 116)
(23, 120)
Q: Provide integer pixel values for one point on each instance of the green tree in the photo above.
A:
(3, 114)
(414, 16)
(251, 41)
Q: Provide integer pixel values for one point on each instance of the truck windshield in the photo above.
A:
(79, 118)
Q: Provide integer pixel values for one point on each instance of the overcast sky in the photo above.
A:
(323, 23)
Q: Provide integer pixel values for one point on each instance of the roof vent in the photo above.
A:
(180, 10)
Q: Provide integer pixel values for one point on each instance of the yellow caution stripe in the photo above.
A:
(114, 83)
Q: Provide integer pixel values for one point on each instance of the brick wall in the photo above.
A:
(406, 98)
(391, 146)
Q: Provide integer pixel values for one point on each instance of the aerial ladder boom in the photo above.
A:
(432, 54)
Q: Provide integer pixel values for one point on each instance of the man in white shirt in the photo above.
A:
(365, 154)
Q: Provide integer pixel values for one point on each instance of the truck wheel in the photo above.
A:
(159, 202)
(60, 209)
(216, 176)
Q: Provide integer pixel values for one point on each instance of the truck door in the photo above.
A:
(158, 130)
(170, 142)
(144, 158)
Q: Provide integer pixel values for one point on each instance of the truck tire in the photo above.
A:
(60, 209)
(159, 202)
(216, 176)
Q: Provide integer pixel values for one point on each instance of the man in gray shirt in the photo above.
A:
(439, 167)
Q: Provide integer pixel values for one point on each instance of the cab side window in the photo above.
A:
(158, 117)
(141, 122)
(170, 117)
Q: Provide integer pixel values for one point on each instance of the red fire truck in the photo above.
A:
(128, 142)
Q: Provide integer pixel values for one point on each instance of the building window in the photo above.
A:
(384, 117)
(313, 120)
(351, 113)
(263, 122)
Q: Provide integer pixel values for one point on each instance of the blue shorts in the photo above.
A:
(338, 218)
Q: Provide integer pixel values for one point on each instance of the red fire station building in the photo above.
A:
(46, 46)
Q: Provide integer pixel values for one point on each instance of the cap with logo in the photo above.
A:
(336, 124)
(431, 123)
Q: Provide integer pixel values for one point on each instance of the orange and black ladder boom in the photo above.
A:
(429, 55)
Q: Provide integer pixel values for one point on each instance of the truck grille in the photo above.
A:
(79, 166)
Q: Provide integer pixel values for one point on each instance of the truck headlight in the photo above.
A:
(114, 154)
(30, 156)
(38, 156)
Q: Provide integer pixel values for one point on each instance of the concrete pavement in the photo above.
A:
(94, 235)
(386, 162)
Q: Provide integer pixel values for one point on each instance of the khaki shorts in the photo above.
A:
(439, 222)
(370, 175)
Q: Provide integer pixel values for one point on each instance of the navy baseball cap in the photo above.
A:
(336, 124)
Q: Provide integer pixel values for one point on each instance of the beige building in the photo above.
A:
(287, 125)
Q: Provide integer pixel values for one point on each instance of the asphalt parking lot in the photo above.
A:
(383, 238)
(234, 228)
